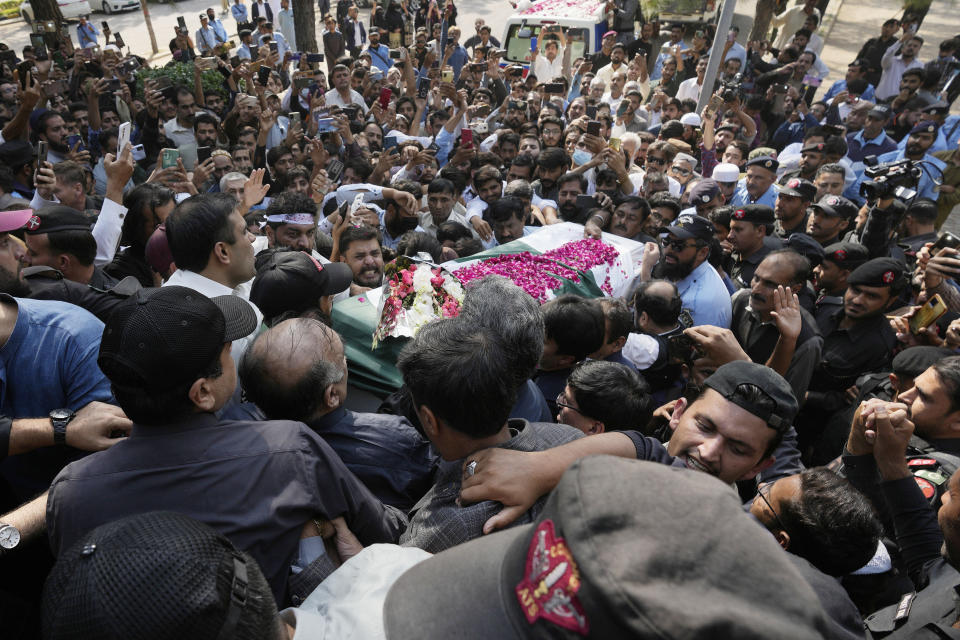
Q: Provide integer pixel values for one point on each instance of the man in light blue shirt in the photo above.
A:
(244, 52)
(856, 69)
(757, 187)
(206, 37)
(239, 11)
(676, 40)
(379, 53)
(267, 33)
(218, 29)
(919, 141)
(736, 49)
(87, 33)
(686, 247)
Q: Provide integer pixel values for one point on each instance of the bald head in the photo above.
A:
(295, 370)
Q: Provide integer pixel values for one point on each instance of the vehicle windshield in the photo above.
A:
(518, 48)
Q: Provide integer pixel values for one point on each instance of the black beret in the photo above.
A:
(846, 255)
(57, 217)
(879, 272)
(755, 213)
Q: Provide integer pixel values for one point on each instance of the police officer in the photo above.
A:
(856, 339)
(791, 206)
(750, 225)
(839, 260)
(829, 219)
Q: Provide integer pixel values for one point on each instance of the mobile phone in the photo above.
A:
(780, 88)
(137, 153)
(209, 62)
(477, 66)
(129, 66)
(385, 94)
(302, 83)
(334, 169)
(593, 127)
(182, 23)
(446, 75)
(50, 26)
(120, 43)
(533, 43)
(294, 117)
(105, 26)
(946, 239)
(466, 138)
(423, 87)
(553, 87)
(274, 47)
(614, 144)
(389, 142)
(592, 112)
(352, 112)
(585, 203)
(115, 85)
(395, 54)
(812, 81)
(326, 125)
(169, 158)
(255, 66)
(682, 348)
(41, 152)
(229, 44)
(39, 46)
(295, 56)
(123, 137)
(73, 140)
(926, 315)
(87, 52)
(55, 87)
(254, 51)
(203, 154)
(263, 74)
(314, 58)
(622, 108)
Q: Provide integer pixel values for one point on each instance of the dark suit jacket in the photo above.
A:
(255, 11)
(348, 36)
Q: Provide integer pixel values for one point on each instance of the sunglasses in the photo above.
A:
(676, 244)
(681, 171)
(655, 160)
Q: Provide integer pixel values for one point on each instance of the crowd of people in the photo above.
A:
(759, 437)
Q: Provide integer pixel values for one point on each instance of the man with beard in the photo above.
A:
(569, 186)
(872, 140)
(922, 137)
(894, 65)
(830, 180)
(400, 215)
(292, 222)
(686, 248)
(830, 277)
(179, 129)
(791, 205)
(205, 128)
(829, 219)
(516, 115)
(812, 157)
(856, 339)
(551, 163)
(749, 228)
(360, 250)
(770, 324)
(51, 129)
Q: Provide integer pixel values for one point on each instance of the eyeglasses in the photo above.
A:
(655, 160)
(675, 244)
(562, 403)
(767, 488)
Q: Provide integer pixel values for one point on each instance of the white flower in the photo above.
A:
(453, 288)
(421, 280)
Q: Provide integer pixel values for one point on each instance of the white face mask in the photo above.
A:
(582, 157)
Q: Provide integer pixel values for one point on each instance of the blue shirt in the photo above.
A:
(457, 60)
(380, 57)
(951, 131)
(87, 34)
(925, 188)
(741, 197)
(219, 31)
(705, 297)
(49, 362)
(841, 85)
(663, 57)
(530, 405)
(239, 12)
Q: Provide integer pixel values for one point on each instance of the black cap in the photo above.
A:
(940, 108)
(755, 213)
(157, 574)
(727, 378)
(913, 361)
(800, 188)
(846, 255)
(622, 549)
(56, 217)
(880, 112)
(879, 272)
(691, 226)
(836, 207)
(765, 162)
(806, 246)
(159, 338)
(295, 281)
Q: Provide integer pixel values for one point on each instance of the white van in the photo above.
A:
(583, 24)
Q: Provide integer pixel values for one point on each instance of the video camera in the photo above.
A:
(891, 179)
(731, 90)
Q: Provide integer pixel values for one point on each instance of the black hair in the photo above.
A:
(413, 242)
(504, 209)
(664, 199)
(830, 523)
(618, 316)
(355, 234)
(948, 371)
(460, 371)
(665, 312)
(575, 324)
(197, 225)
(360, 167)
(452, 231)
(923, 210)
(76, 242)
(287, 202)
(205, 118)
(835, 146)
(552, 158)
(721, 216)
(276, 153)
(570, 176)
(797, 261)
(612, 393)
(140, 202)
(858, 85)
(441, 185)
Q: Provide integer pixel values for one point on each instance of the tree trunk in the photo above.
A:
(305, 25)
(146, 16)
(761, 22)
(46, 10)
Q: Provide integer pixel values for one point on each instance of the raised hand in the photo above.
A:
(786, 313)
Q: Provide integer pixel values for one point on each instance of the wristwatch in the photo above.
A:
(9, 537)
(60, 419)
